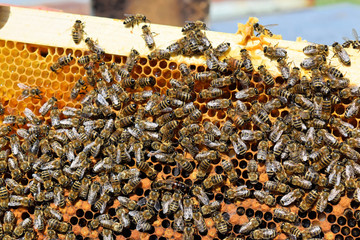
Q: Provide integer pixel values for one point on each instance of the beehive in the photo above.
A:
(26, 58)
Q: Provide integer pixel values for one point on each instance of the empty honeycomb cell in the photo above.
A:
(153, 63)
(4, 67)
(161, 82)
(147, 70)
(335, 228)
(351, 222)
(341, 221)
(167, 74)
(9, 60)
(339, 237)
(162, 64)
(157, 72)
(355, 232)
(176, 74)
(345, 231)
(312, 214)
(328, 209)
(138, 69)
(5, 51)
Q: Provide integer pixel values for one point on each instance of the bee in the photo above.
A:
(344, 128)
(220, 223)
(240, 192)
(74, 192)
(184, 163)
(294, 167)
(16, 187)
(28, 91)
(265, 197)
(276, 186)
(52, 213)
(245, 61)
(90, 76)
(260, 29)
(199, 221)
(39, 220)
(77, 31)
(87, 59)
(148, 36)
(222, 82)
(183, 96)
(188, 231)
(252, 224)
(203, 168)
(140, 220)
(274, 52)
(219, 104)
(263, 147)
(300, 182)
(147, 169)
(284, 214)
(79, 85)
(313, 62)
(210, 208)
(61, 62)
(290, 229)
(246, 93)
(128, 203)
(189, 25)
(159, 54)
(308, 200)
(132, 20)
(198, 192)
(243, 78)
(212, 61)
(94, 46)
(229, 170)
(44, 109)
(310, 232)
(100, 204)
(253, 171)
(341, 54)
(57, 225)
(280, 92)
(331, 72)
(177, 47)
(250, 135)
(291, 197)
(265, 75)
(22, 227)
(240, 147)
(316, 49)
(221, 49)
(179, 223)
(353, 108)
(294, 77)
(349, 152)
(284, 68)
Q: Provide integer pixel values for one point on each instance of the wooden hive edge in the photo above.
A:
(50, 28)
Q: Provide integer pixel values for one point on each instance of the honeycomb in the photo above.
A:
(30, 64)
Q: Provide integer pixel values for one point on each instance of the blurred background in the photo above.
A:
(319, 21)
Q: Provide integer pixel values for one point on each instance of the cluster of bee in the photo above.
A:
(102, 152)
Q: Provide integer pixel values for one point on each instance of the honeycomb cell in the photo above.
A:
(176, 74)
(2, 43)
(5, 51)
(163, 64)
(157, 72)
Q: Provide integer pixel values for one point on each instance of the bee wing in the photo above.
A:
(333, 193)
(357, 194)
(179, 222)
(142, 202)
(129, 15)
(344, 55)
(188, 213)
(271, 25)
(102, 100)
(355, 34)
(43, 108)
(23, 86)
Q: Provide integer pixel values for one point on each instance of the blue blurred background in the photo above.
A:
(319, 21)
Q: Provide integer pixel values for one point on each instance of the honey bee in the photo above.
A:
(177, 47)
(353, 108)
(243, 78)
(265, 197)
(159, 54)
(221, 49)
(188, 231)
(79, 85)
(184, 163)
(284, 214)
(199, 221)
(94, 46)
(284, 68)
(341, 54)
(179, 223)
(240, 192)
(210, 93)
(28, 91)
(240, 147)
(89, 60)
(147, 169)
(290, 229)
(212, 61)
(250, 135)
(246, 93)
(246, 61)
(189, 25)
(316, 49)
(252, 224)
(132, 20)
(210, 208)
(260, 29)
(212, 181)
(263, 148)
(253, 171)
(220, 223)
(292, 196)
(203, 168)
(331, 72)
(77, 31)
(61, 62)
(313, 62)
(349, 152)
(308, 200)
(16, 187)
(39, 220)
(222, 82)
(198, 192)
(148, 36)
(100, 204)
(274, 52)
(57, 225)
(276, 186)
(311, 232)
(44, 109)
(265, 75)
(20, 229)
(183, 96)
(219, 104)
(229, 170)
(9, 222)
